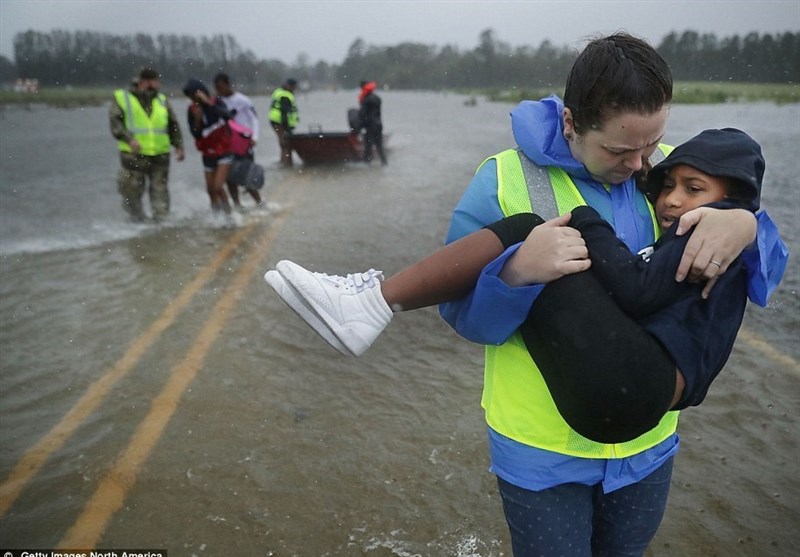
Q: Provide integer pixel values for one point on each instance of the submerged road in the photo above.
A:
(112, 490)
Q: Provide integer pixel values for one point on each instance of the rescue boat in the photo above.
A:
(323, 147)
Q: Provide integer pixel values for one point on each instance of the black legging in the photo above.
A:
(610, 380)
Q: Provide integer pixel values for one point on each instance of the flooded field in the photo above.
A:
(155, 393)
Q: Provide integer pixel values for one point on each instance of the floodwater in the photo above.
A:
(155, 393)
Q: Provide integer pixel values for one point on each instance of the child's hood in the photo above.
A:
(727, 153)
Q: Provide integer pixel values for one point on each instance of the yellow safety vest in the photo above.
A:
(515, 396)
(275, 108)
(150, 131)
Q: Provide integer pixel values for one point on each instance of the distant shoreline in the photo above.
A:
(690, 92)
(685, 92)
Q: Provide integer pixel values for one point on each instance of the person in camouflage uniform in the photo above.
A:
(144, 124)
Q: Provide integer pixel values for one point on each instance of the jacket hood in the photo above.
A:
(726, 153)
(367, 88)
(193, 86)
(538, 130)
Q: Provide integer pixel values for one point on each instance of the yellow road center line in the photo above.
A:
(34, 458)
(760, 344)
(110, 494)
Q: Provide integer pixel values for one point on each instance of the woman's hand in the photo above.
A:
(550, 251)
(719, 237)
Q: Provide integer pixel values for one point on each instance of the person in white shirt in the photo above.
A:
(244, 112)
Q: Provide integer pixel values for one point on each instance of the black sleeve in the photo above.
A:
(362, 116)
(286, 108)
(640, 287)
(195, 124)
(514, 229)
(221, 109)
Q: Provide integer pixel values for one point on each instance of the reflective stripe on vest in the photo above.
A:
(150, 131)
(515, 395)
(275, 109)
(658, 155)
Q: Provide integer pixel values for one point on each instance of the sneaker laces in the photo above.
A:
(356, 281)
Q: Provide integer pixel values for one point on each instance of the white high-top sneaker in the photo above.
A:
(352, 307)
(302, 309)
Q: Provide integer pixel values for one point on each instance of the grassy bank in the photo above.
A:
(689, 92)
(61, 97)
(71, 97)
(703, 92)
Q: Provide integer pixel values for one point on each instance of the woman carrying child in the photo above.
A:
(563, 493)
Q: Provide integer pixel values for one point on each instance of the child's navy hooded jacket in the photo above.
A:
(698, 334)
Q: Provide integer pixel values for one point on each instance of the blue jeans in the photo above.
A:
(575, 520)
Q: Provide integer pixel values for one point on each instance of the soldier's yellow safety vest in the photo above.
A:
(150, 131)
(275, 108)
(515, 396)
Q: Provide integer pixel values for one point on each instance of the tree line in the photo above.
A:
(88, 58)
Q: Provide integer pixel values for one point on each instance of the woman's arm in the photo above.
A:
(765, 262)
(508, 285)
(721, 236)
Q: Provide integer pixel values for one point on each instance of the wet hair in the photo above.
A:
(223, 77)
(149, 73)
(613, 75)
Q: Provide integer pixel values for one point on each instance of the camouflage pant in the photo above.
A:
(134, 174)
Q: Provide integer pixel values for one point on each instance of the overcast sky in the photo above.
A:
(325, 29)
